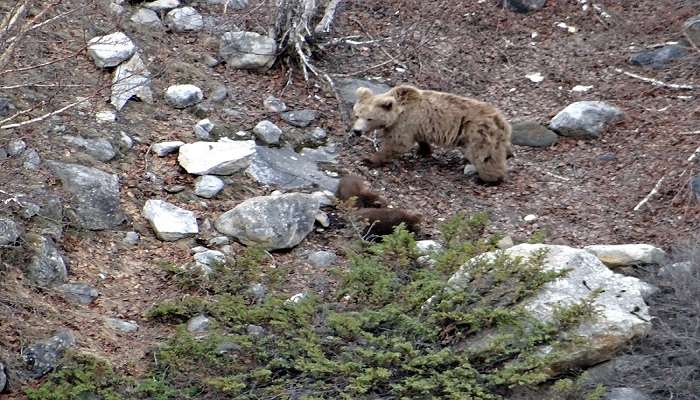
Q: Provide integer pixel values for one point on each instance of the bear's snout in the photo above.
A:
(356, 132)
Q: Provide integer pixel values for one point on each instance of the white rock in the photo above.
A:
(530, 218)
(126, 140)
(208, 186)
(169, 221)
(627, 254)
(121, 325)
(267, 132)
(199, 324)
(105, 116)
(162, 5)
(326, 198)
(469, 170)
(427, 246)
(131, 79)
(585, 119)
(535, 77)
(110, 50)
(297, 298)
(581, 88)
(185, 19)
(247, 50)
(182, 96)
(224, 157)
(146, 17)
(273, 104)
(162, 149)
(505, 243)
(203, 128)
(322, 219)
(210, 258)
(322, 259)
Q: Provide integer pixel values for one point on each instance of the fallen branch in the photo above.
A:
(695, 155)
(653, 192)
(45, 116)
(656, 82)
(325, 25)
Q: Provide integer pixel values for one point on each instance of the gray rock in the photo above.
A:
(169, 221)
(219, 241)
(16, 147)
(300, 118)
(208, 186)
(427, 246)
(46, 267)
(125, 141)
(273, 104)
(322, 259)
(121, 325)
(146, 18)
(625, 394)
(183, 96)
(78, 293)
(3, 377)
(247, 50)
(199, 324)
(274, 222)
(318, 134)
(219, 94)
(184, 19)
(691, 29)
(6, 107)
(695, 187)
(110, 50)
(99, 148)
(131, 79)
(162, 5)
(42, 357)
(627, 254)
(607, 157)
(258, 291)
(103, 117)
(203, 128)
(658, 58)
(286, 169)
(231, 4)
(255, 330)
(95, 194)
(131, 238)
(175, 189)
(162, 149)
(9, 232)
(267, 132)
(224, 157)
(323, 219)
(585, 119)
(505, 243)
(524, 6)
(198, 249)
(679, 269)
(347, 89)
(531, 133)
(31, 160)
(227, 348)
(210, 258)
(210, 61)
(622, 315)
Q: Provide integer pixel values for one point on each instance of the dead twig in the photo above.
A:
(657, 82)
(651, 194)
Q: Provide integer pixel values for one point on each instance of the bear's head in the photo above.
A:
(374, 111)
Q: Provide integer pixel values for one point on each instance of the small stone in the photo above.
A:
(30, 209)
(695, 187)
(297, 298)
(170, 222)
(131, 238)
(210, 258)
(231, 4)
(147, 18)
(101, 149)
(42, 357)
(255, 330)
(227, 347)
(46, 266)
(31, 160)
(210, 61)
(78, 293)
(162, 149)
(131, 79)
(267, 132)
(691, 29)
(199, 324)
(6, 107)
(469, 170)
(660, 57)
(183, 96)
(122, 325)
(627, 254)
(505, 243)
(224, 157)
(318, 134)
(273, 104)
(426, 261)
(531, 133)
(110, 50)
(203, 128)
(258, 291)
(326, 198)
(198, 249)
(184, 19)
(105, 116)
(208, 186)
(162, 5)
(219, 241)
(3, 378)
(172, 189)
(607, 157)
(427, 246)
(322, 259)
(219, 94)
(322, 219)
(16, 147)
(9, 232)
(300, 118)
(126, 140)
(524, 6)
(247, 50)
(530, 218)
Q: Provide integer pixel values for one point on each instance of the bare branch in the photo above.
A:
(656, 82)
(651, 194)
(325, 25)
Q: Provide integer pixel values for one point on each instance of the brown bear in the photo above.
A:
(382, 221)
(352, 186)
(407, 115)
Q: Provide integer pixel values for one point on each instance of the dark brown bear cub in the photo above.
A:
(352, 186)
(382, 221)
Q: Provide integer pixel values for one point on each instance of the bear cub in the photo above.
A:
(407, 115)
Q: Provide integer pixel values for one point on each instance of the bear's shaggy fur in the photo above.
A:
(352, 186)
(408, 115)
(382, 221)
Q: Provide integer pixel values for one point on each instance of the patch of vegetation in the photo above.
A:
(393, 329)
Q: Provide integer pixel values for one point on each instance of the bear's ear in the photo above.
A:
(363, 93)
(387, 103)
(406, 93)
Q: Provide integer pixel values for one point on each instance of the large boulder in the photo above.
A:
(46, 266)
(185, 19)
(273, 222)
(110, 50)
(131, 79)
(621, 313)
(286, 169)
(169, 221)
(585, 119)
(627, 254)
(224, 157)
(247, 50)
(43, 356)
(95, 194)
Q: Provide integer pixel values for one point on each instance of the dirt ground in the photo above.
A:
(583, 192)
